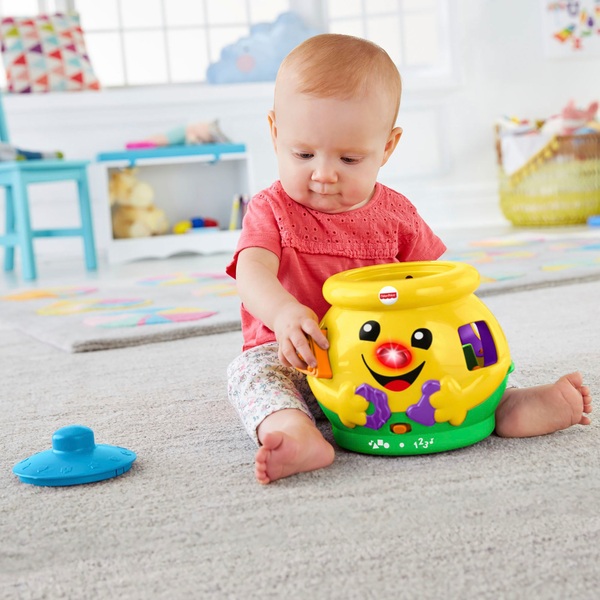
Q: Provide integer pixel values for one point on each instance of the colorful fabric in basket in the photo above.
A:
(46, 53)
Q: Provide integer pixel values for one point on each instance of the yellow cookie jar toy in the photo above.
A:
(416, 362)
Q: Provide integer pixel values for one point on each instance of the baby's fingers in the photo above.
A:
(312, 329)
(296, 352)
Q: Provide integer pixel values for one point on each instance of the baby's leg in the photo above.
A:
(270, 401)
(526, 412)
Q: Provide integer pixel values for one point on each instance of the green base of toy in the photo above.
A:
(421, 439)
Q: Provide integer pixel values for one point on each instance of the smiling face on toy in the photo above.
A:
(388, 361)
(392, 352)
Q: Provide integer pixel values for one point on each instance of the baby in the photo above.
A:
(333, 128)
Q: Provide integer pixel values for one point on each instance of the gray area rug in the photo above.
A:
(80, 318)
(501, 519)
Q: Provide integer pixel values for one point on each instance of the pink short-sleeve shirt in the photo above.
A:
(311, 246)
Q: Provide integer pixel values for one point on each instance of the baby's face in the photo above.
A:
(330, 150)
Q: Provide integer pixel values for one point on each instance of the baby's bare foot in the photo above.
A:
(526, 412)
(283, 453)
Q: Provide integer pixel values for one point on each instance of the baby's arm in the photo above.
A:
(265, 298)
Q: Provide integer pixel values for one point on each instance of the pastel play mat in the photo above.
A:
(170, 306)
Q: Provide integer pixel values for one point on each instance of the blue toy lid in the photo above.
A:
(74, 458)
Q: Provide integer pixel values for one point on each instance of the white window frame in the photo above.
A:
(44, 6)
(444, 76)
(210, 30)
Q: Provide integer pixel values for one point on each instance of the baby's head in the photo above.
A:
(332, 124)
(342, 67)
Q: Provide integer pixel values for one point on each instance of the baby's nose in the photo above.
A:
(324, 173)
(393, 355)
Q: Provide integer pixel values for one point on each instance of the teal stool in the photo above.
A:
(15, 177)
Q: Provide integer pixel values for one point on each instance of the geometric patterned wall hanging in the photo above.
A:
(46, 54)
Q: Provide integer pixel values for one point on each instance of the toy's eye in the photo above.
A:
(369, 332)
(421, 338)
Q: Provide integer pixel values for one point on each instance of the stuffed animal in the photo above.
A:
(133, 211)
(194, 133)
(571, 120)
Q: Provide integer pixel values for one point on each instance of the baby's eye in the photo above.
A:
(303, 155)
(349, 160)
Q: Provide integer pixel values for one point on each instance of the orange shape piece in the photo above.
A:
(323, 368)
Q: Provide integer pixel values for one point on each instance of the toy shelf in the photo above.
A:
(188, 182)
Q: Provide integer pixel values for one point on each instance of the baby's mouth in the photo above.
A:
(399, 383)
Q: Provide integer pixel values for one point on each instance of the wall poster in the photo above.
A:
(571, 27)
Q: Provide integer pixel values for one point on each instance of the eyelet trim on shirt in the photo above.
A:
(373, 231)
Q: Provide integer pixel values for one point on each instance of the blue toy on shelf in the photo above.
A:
(257, 56)
(75, 458)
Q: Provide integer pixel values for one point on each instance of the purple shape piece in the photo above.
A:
(422, 412)
(483, 344)
(490, 355)
(468, 336)
(379, 400)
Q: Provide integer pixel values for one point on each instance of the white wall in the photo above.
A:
(505, 72)
(445, 162)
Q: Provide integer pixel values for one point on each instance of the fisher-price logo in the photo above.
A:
(388, 295)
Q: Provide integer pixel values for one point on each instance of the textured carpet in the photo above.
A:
(79, 318)
(501, 519)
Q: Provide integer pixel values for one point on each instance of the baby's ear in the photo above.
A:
(272, 127)
(391, 143)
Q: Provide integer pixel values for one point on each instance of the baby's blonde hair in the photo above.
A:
(332, 65)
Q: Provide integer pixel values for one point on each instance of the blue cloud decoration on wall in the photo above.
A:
(257, 56)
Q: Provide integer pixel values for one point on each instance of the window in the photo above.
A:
(136, 42)
(415, 33)
(139, 42)
(26, 8)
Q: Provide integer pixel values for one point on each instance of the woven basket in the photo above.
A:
(560, 185)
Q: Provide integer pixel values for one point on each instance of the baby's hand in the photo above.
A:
(291, 325)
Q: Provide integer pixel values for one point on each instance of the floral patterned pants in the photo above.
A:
(259, 385)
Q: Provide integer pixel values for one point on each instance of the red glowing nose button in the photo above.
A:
(393, 355)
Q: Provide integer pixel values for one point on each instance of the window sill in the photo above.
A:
(139, 96)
